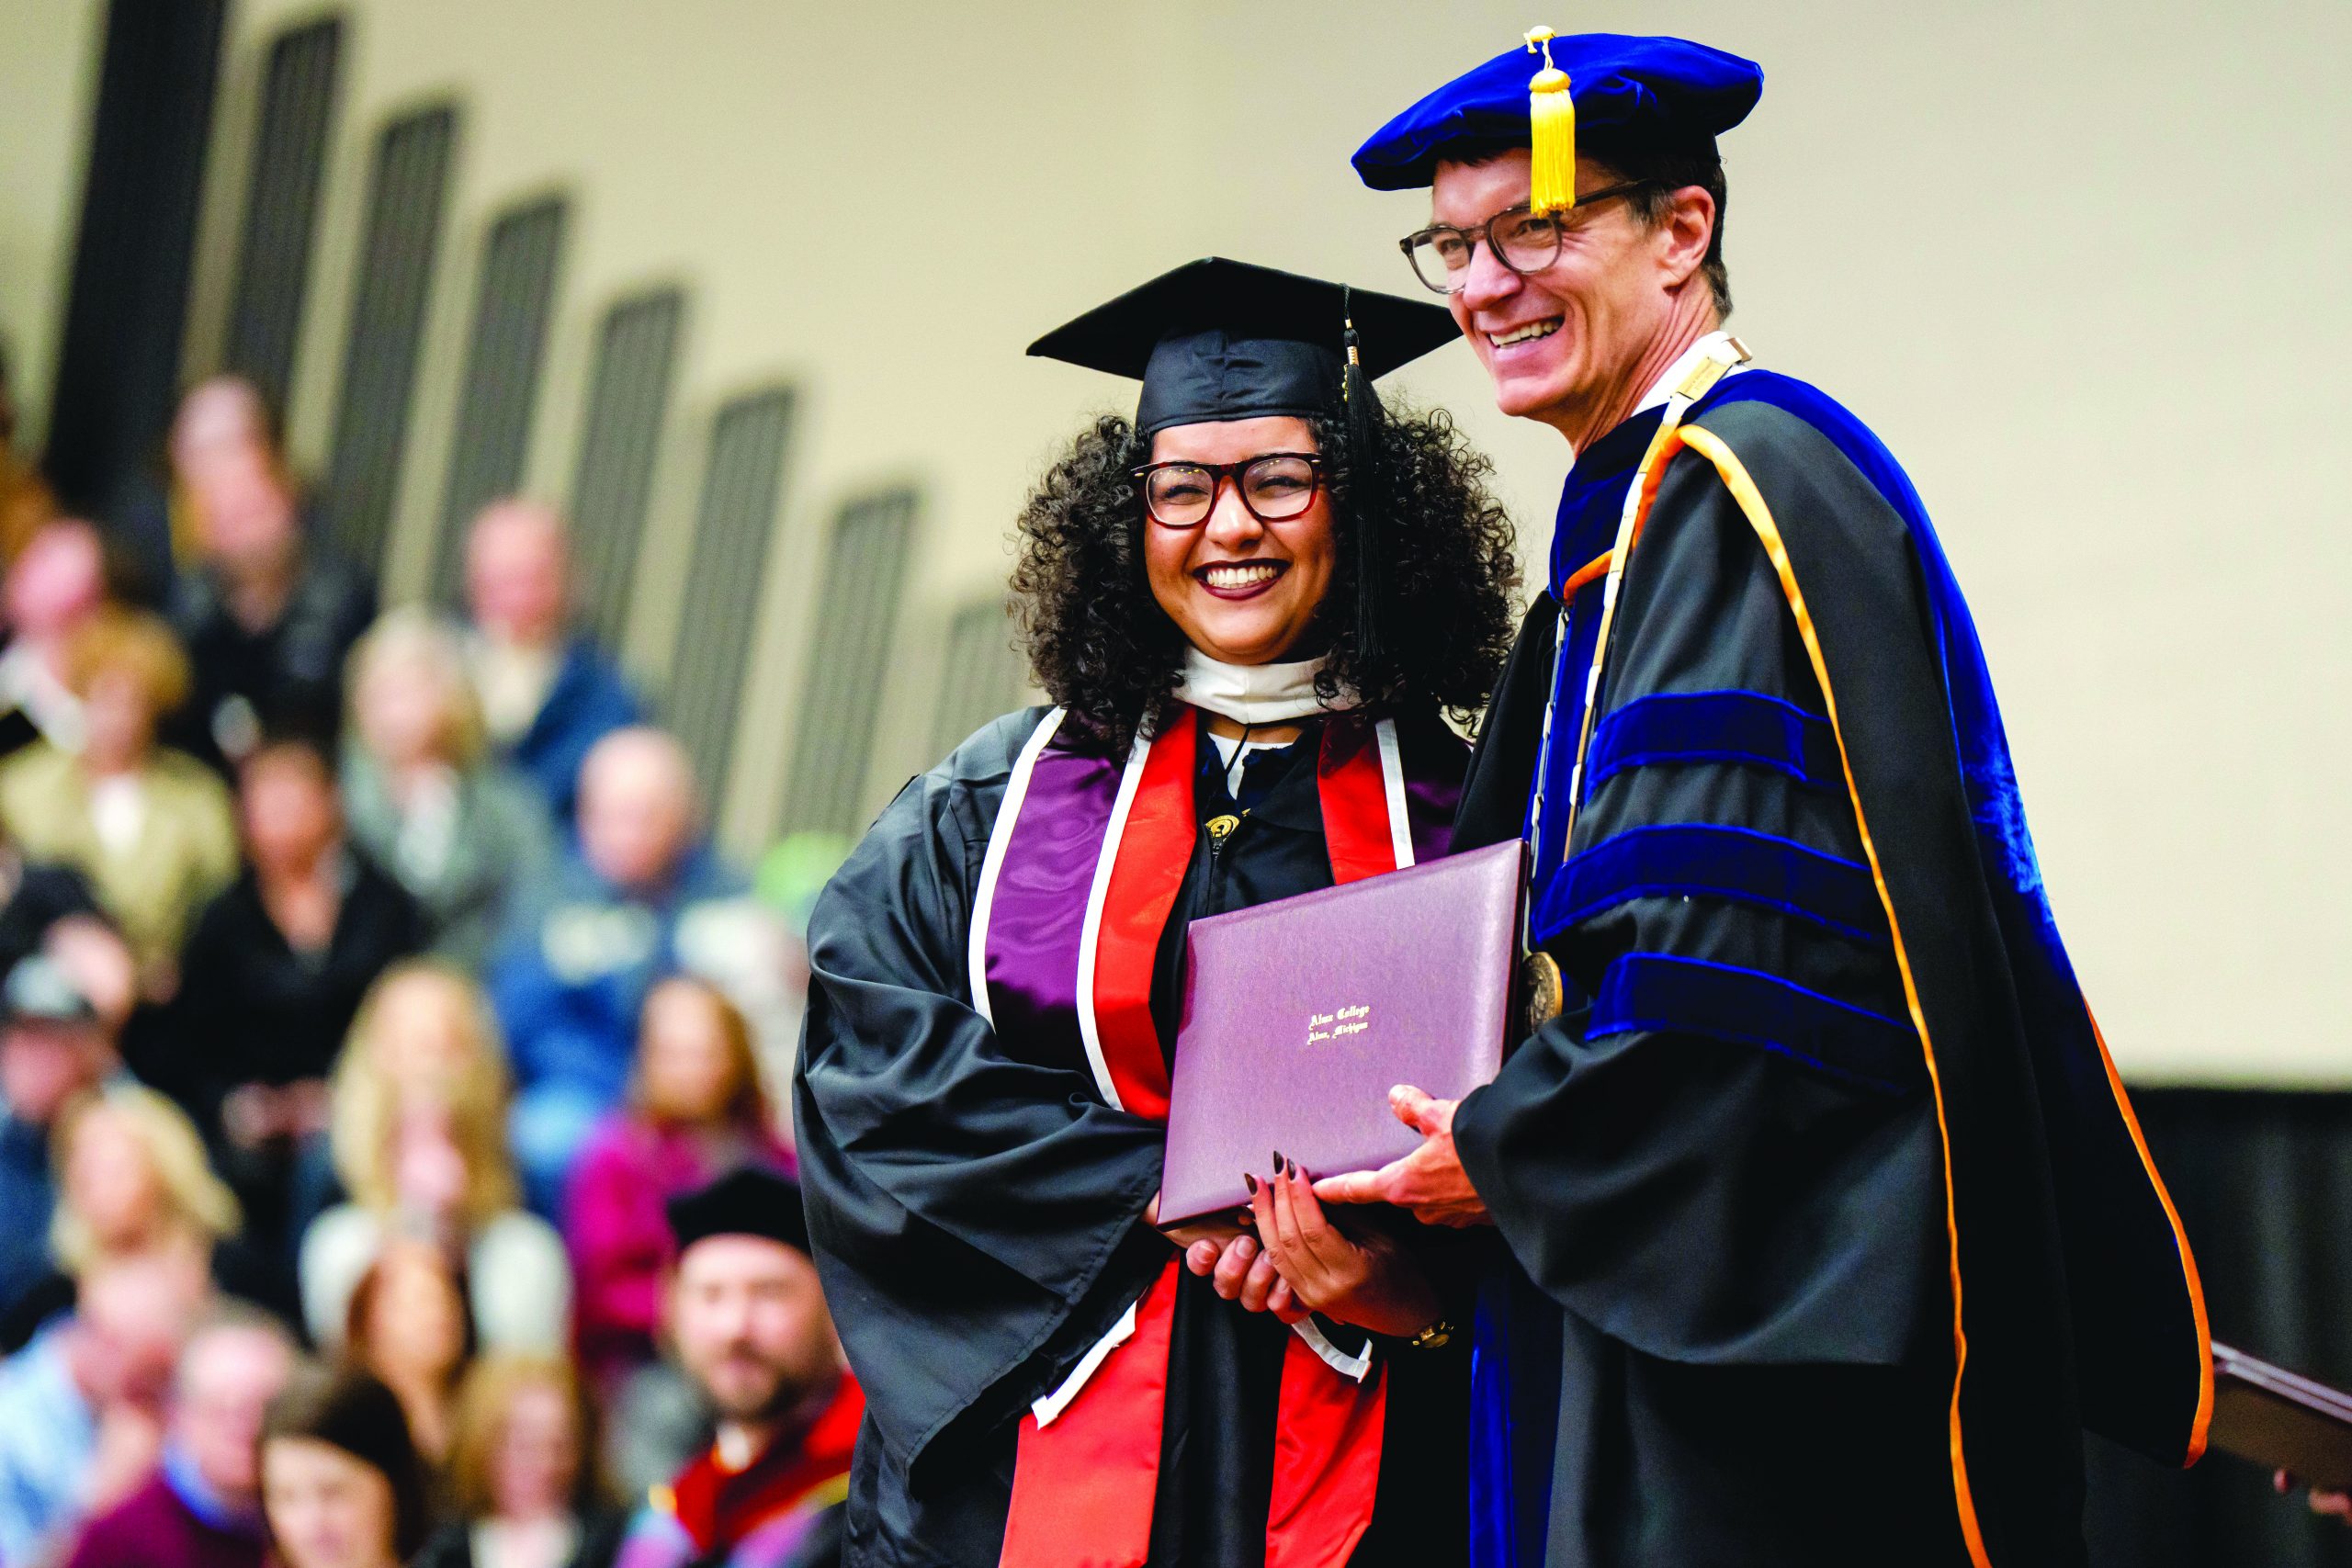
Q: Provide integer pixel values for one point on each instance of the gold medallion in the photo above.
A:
(1540, 989)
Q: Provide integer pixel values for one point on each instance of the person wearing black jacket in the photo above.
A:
(272, 974)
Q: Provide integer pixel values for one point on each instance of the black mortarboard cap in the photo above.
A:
(748, 1201)
(1220, 340)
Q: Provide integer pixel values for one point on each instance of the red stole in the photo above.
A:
(718, 1507)
(1084, 1478)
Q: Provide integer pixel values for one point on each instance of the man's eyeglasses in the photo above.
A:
(1275, 486)
(1521, 239)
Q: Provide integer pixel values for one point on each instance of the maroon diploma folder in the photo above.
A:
(1300, 1015)
(2281, 1421)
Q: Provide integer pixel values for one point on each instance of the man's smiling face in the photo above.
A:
(1563, 341)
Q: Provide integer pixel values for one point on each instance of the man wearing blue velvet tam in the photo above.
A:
(1830, 1227)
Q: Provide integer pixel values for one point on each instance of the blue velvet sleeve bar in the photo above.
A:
(1703, 860)
(1656, 992)
(1715, 726)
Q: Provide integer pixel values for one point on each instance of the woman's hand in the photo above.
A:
(1373, 1283)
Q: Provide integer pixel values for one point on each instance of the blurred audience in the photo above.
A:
(466, 835)
(408, 1324)
(548, 692)
(695, 1112)
(751, 1330)
(201, 1505)
(131, 1179)
(326, 1120)
(267, 613)
(55, 585)
(341, 1483)
(221, 421)
(522, 1473)
(419, 1138)
(148, 825)
(274, 972)
(643, 895)
(95, 957)
(25, 501)
(53, 1048)
(82, 1407)
(34, 897)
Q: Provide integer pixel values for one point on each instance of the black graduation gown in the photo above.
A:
(977, 1218)
(1745, 1252)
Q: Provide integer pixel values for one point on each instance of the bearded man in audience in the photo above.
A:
(749, 1320)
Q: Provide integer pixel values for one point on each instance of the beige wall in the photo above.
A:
(2074, 262)
(48, 65)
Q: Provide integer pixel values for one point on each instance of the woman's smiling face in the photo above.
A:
(1241, 591)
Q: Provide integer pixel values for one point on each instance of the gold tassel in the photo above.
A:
(1552, 128)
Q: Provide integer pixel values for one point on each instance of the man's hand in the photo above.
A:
(1429, 1183)
(2337, 1504)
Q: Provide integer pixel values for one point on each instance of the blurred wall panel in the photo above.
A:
(983, 677)
(119, 356)
(298, 103)
(734, 529)
(620, 440)
(849, 662)
(515, 297)
(48, 56)
(406, 198)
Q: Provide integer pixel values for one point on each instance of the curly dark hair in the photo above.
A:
(1100, 646)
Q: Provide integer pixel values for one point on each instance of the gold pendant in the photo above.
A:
(1542, 992)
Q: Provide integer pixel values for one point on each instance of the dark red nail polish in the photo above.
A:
(1278, 1162)
(1250, 1182)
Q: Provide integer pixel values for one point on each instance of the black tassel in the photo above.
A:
(1366, 437)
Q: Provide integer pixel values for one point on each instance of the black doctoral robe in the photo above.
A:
(1735, 1315)
(975, 1213)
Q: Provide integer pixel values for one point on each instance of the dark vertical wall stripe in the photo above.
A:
(282, 206)
(501, 385)
(406, 198)
(119, 356)
(849, 658)
(628, 401)
(982, 675)
(734, 529)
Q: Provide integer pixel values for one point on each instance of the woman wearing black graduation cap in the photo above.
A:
(1251, 606)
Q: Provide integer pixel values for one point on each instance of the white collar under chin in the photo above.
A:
(1255, 694)
(1714, 346)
